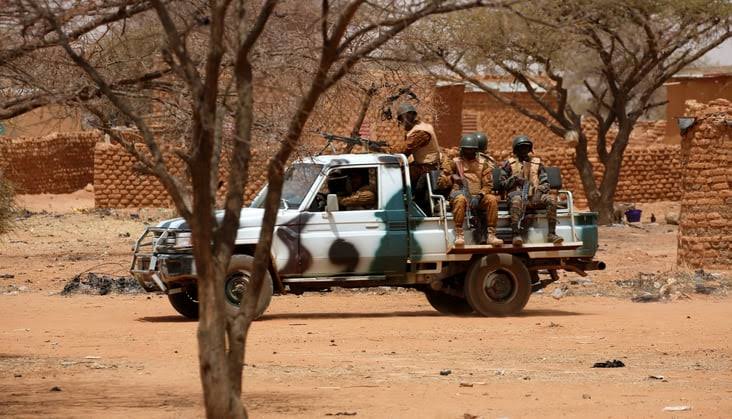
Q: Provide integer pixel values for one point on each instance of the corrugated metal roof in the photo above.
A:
(704, 72)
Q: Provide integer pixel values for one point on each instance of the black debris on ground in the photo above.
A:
(101, 284)
(615, 363)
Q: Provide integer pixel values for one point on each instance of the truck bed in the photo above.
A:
(509, 248)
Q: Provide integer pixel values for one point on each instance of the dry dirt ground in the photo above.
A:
(373, 354)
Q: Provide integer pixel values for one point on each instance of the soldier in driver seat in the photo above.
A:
(353, 189)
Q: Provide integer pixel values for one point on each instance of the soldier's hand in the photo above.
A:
(475, 202)
(543, 188)
(457, 180)
(515, 181)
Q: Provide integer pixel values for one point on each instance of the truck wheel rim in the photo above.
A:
(499, 286)
(236, 287)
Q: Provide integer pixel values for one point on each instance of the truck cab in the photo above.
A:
(322, 240)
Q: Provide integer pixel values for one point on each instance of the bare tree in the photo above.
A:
(212, 51)
(614, 55)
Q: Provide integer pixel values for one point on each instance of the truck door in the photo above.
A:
(362, 237)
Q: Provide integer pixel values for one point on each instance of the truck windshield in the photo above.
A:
(299, 179)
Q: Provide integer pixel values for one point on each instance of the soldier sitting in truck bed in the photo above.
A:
(471, 176)
(524, 167)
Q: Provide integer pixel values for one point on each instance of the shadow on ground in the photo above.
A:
(165, 319)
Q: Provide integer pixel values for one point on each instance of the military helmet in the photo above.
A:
(482, 140)
(405, 108)
(338, 183)
(522, 140)
(468, 141)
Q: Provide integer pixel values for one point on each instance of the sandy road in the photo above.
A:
(378, 356)
(375, 355)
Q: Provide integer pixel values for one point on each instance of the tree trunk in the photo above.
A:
(613, 164)
(587, 177)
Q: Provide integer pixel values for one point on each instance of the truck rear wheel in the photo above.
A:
(498, 285)
(448, 304)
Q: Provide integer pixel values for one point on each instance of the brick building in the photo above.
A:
(466, 109)
(705, 224)
(698, 84)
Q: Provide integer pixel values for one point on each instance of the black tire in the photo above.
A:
(185, 302)
(448, 304)
(498, 285)
(240, 269)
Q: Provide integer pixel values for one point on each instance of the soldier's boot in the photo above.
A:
(552, 236)
(517, 241)
(459, 237)
(493, 240)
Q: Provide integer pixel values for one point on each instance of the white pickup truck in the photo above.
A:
(391, 242)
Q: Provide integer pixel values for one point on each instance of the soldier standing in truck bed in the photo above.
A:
(420, 144)
(516, 171)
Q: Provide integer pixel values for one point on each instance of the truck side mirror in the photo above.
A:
(331, 204)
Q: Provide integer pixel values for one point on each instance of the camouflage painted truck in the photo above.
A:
(396, 243)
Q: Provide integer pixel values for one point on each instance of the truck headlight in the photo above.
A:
(183, 240)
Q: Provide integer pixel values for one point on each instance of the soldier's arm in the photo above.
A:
(543, 179)
(416, 140)
(486, 179)
(445, 179)
(506, 179)
(364, 197)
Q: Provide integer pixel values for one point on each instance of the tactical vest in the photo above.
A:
(430, 153)
(472, 172)
(517, 170)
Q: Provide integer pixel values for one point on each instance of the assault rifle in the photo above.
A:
(466, 192)
(524, 194)
(369, 145)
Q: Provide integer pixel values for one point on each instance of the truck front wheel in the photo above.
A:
(448, 304)
(236, 285)
(498, 285)
(185, 302)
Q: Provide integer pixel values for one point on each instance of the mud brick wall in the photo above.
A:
(705, 225)
(118, 182)
(648, 174)
(56, 163)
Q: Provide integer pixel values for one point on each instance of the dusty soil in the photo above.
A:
(377, 353)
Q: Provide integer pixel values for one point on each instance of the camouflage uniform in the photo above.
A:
(482, 147)
(363, 198)
(513, 174)
(477, 173)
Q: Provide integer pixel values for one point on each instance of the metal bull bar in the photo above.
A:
(144, 265)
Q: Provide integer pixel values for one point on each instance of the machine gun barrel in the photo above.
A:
(375, 145)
